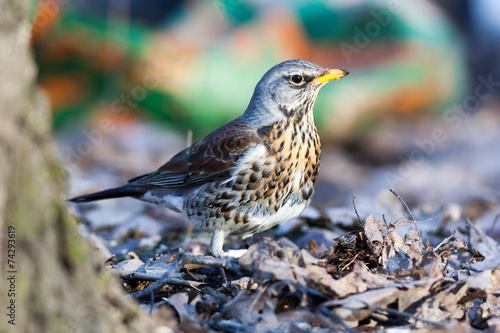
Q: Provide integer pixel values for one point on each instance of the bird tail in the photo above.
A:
(118, 192)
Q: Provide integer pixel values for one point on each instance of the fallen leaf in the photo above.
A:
(487, 246)
(373, 235)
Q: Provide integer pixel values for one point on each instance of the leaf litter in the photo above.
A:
(368, 267)
(370, 278)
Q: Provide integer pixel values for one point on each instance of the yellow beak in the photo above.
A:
(332, 74)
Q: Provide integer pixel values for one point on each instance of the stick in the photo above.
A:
(182, 259)
(135, 276)
(409, 211)
(336, 320)
(356, 210)
(409, 315)
(404, 203)
(446, 240)
(350, 262)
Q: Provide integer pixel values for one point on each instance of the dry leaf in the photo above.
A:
(373, 235)
(487, 246)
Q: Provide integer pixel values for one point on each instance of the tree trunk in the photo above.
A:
(49, 280)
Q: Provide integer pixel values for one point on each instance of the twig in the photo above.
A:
(446, 240)
(350, 261)
(430, 218)
(135, 276)
(229, 326)
(409, 211)
(446, 266)
(227, 263)
(404, 203)
(394, 225)
(181, 260)
(399, 223)
(408, 315)
(469, 226)
(336, 320)
(190, 275)
(356, 210)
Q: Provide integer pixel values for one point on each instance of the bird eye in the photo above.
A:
(297, 79)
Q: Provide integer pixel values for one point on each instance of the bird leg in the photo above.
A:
(216, 247)
(216, 243)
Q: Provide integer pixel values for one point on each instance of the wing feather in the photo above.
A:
(207, 160)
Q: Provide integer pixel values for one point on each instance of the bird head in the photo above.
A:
(288, 88)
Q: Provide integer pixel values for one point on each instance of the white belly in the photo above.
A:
(285, 213)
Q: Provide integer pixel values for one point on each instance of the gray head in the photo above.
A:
(286, 89)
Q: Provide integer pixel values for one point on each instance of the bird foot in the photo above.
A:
(234, 254)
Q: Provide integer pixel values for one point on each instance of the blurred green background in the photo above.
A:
(192, 65)
(129, 81)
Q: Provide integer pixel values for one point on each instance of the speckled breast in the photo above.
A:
(273, 183)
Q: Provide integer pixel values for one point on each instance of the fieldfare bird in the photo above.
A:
(252, 173)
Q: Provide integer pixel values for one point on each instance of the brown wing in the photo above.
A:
(207, 160)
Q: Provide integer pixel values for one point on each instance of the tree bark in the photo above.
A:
(51, 283)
